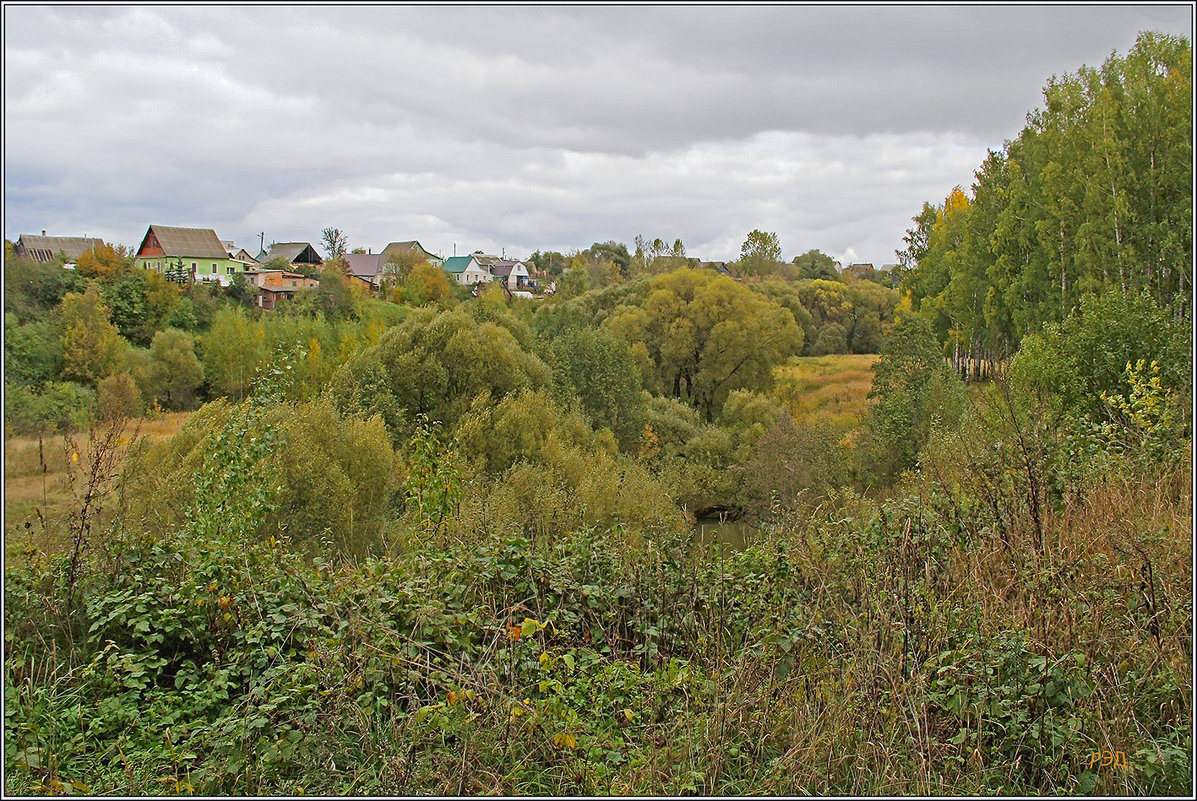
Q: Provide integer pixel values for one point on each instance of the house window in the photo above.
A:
(230, 270)
(213, 268)
(193, 266)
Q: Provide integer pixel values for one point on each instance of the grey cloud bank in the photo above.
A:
(525, 127)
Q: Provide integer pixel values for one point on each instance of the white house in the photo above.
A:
(467, 270)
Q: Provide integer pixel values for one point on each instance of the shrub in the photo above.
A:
(57, 406)
(117, 397)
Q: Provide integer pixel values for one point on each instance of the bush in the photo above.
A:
(117, 397)
(832, 339)
(58, 406)
(334, 476)
(789, 465)
(913, 393)
(1072, 363)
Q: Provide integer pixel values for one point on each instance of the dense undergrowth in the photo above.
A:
(987, 628)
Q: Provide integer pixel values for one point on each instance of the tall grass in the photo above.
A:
(832, 389)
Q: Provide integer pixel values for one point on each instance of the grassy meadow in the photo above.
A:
(39, 492)
(833, 388)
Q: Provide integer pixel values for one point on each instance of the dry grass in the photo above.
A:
(833, 388)
(37, 497)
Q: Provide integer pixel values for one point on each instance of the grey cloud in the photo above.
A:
(525, 127)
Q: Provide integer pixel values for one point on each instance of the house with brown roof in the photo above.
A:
(187, 255)
(45, 249)
(367, 267)
(410, 247)
(513, 273)
(297, 254)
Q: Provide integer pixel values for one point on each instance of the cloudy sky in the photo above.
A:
(522, 128)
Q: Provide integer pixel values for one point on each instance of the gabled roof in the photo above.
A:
(45, 248)
(504, 267)
(364, 264)
(293, 252)
(397, 248)
(458, 264)
(194, 242)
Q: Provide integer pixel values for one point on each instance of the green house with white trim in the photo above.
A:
(187, 255)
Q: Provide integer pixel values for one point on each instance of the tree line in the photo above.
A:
(1095, 193)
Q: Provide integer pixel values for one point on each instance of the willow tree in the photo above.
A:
(707, 335)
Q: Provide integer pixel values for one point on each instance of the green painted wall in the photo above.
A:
(203, 267)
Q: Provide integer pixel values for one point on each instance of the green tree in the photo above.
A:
(426, 284)
(832, 338)
(175, 373)
(334, 241)
(913, 392)
(334, 296)
(598, 369)
(32, 352)
(760, 253)
(139, 302)
(573, 282)
(1094, 193)
(614, 252)
(1070, 364)
(707, 335)
(435, 364)
(233, 351)
(91, 344)
(33, 289)
(817, 264)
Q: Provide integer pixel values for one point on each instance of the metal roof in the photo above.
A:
(457, 264)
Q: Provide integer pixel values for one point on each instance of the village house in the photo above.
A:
(467, 270)
(187, 255)
(300, 255)
(275, 285)
(239, 254)
(367, 267)
(514, 273)
(45, 249)
(410, 247)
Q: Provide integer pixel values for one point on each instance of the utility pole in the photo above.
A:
(261, 241)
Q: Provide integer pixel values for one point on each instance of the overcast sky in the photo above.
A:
(522, 128)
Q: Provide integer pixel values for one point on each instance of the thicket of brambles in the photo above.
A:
(444, 546)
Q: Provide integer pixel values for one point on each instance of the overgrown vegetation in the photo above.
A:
(445, 545)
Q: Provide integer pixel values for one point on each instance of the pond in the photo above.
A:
(733, 535)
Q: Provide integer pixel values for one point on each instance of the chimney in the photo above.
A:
(43, 232)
